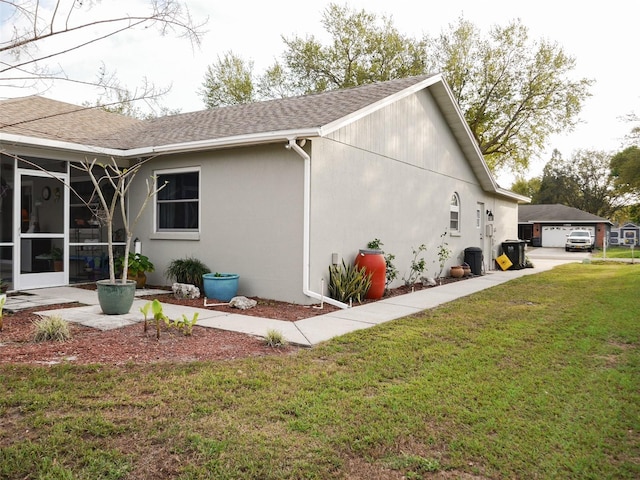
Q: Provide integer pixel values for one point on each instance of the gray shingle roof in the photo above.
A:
(52, 120)
(555, 213)
(42, 118)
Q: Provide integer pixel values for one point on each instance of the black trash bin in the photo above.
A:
(536, 242)
(514, 250)
(473, 258)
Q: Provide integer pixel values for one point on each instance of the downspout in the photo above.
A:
(306, 235)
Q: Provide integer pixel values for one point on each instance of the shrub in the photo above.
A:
(348, 282)
(417, 266)
(3, 299)
(392, 271)
(53, 328)
(275, 338)
(187, 270)
(138, 263)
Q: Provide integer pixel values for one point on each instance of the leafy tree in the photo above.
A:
(514, 93)
(229, 81)
(528, 188)
(625, 168)
(584, 182)
(363, 49)
(276, 82)
(44, 32)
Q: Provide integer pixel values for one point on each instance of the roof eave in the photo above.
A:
(513, 195)
(228, 142)
(567, 221)
(28, 141)
(185, 147)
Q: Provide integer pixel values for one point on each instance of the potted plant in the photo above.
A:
(137, 266)
(56, 258)
(221, 286)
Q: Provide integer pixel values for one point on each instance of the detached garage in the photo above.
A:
(555, 236)
(549, 225)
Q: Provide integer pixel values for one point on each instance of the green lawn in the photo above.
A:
(536, 378)
(618, 252)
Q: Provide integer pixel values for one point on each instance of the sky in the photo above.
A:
(603, 41)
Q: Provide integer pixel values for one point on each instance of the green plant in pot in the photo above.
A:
(138, 265)
(56, 258)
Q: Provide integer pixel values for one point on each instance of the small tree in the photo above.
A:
(443, 253)
(120, 179)
(417, 266)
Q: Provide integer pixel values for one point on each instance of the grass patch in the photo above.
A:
(618, 252)
(536, 378)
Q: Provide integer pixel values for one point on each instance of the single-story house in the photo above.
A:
(549, 225)
(274, 191)
(626, 235)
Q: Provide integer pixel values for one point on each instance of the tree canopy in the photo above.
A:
(364, 48)
(583, 182)
(514, 92)
(625, 169)
(228, 81)
(528, 188)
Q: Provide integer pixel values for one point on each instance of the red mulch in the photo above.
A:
(133, 345)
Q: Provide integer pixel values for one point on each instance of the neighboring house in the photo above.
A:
(626, 235)
(274, 191)
(549, 225)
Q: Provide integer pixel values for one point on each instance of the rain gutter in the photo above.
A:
(306, 248)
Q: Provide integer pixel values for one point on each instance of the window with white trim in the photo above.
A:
(454, 214)
(178, 203)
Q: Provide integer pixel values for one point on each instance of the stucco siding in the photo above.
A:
(391, 176)
(413, 131)
(251, 219)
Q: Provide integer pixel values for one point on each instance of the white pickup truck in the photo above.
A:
(579, 240)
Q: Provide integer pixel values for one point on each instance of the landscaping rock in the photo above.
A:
(243, 303)
(428, 281)
(185, 290)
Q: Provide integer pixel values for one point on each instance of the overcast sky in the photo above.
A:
(603, 40)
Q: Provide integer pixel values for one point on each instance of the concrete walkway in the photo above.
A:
(306, 332)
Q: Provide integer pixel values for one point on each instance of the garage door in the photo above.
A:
(555, 236)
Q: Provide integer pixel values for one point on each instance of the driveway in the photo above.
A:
(550, 253)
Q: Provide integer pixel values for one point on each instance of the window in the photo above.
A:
(454, 214)
(178, 203)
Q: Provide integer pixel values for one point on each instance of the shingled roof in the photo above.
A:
(42, 118)
(556, 213)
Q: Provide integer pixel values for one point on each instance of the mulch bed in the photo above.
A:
(132, 345)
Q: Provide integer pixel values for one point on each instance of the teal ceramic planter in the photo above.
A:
(116, 298)
(221, 286)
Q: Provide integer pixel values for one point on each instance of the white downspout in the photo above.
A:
(306, 227)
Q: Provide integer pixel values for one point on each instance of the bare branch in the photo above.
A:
(35, 27)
